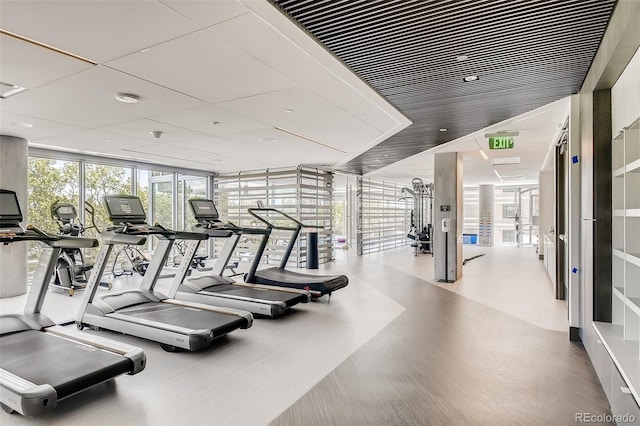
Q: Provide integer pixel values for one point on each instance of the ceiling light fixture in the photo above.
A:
(266, 139)
(288, 110)
(506, 160)
(498, 175)
(127, 98)
(460, 58)
(157, 134)
(22, 124)
(215, 122)
(443, 129)
(471, 78)
(484, 155)
(9, 89)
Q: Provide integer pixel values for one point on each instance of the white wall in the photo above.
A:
(625, 96)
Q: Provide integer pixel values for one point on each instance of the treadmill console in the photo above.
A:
(123, 209)
(10, 214)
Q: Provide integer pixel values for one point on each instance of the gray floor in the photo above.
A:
(391, 348)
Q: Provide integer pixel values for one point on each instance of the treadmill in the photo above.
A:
(43, 363)
(145, 312)
(216, 289)
(318, 285)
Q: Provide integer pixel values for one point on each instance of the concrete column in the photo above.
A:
(486, 215)
(13, 176)
(448, 204)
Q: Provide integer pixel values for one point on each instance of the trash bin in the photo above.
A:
(312, 249)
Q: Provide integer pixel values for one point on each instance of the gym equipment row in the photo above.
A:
(190, 317)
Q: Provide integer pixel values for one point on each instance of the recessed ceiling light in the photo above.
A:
(462, 58)
(215, 122)
(266, 139)
(386, 155)
(145, 50)
(108, 140)
(506, 160)
(471, 78)
(484, 155)
(157, 134)
(288, 110)
(127, 98)
(443, 129)
(22, 124)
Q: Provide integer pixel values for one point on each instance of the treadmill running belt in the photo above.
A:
(68, 366)
(255, 293)
(315, 282)
(190, 318)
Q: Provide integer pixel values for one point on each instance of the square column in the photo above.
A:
(14, 177)
(447, 207)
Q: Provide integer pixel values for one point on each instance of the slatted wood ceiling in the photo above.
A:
(526, 53)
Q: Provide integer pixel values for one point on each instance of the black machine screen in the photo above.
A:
(66, 211)
(126, 208)
(9, 207)
(204, 209)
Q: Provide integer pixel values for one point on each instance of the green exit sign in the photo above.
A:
(501, 142)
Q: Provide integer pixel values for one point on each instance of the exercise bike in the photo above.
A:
(72, 271)
(129, 260)
(197, 263)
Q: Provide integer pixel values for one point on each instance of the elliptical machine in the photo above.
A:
(72, 272)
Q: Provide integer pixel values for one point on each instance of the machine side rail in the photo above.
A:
(294, 237)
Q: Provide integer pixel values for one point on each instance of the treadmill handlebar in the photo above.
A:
(53, 240)
(140, 229)
(299, 225)
(216, 226)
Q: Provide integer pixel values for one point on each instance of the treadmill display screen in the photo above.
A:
(9, 207)
(124, 208)
(204, 209)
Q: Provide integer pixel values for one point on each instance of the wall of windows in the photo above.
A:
(56, 176)
(516, 213)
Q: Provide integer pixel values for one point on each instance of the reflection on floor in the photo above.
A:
(391, 348)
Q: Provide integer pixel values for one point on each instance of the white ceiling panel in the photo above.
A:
(347, 133)
(92, 141)
(271, 108)
(87, 99)
(161, 160)
(205, 66)
(41, 128)
(168, 150)
(141, 129)
(288, 58)
(98, 30)
(30, 66)
(207, 13)
(380, 120)
(216, 145)
(201, 118)
(277, 144)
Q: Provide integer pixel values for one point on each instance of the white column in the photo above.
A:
(13, 176)
(486, 215)
(447, 204)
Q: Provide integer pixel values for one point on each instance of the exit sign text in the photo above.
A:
(501, 142)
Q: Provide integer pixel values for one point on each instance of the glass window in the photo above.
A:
(101, 180)
(49, 181)
(189, 187)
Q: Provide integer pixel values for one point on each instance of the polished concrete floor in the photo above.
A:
(391, 348)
